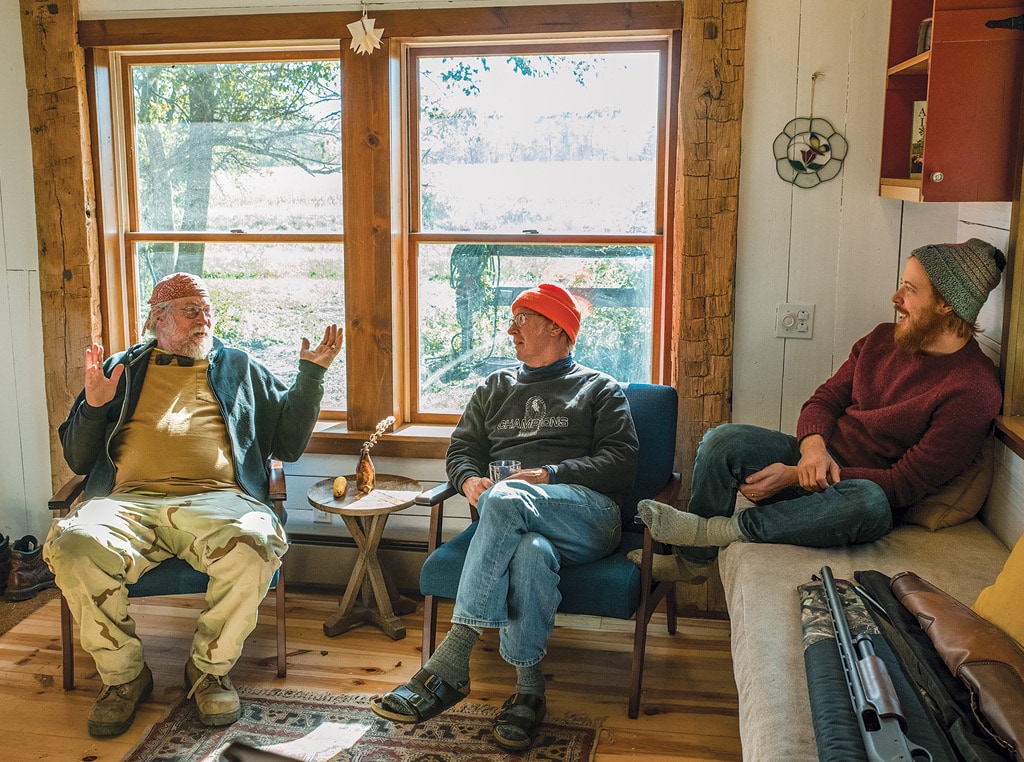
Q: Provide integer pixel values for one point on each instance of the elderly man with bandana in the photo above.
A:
(571, 429)
(175, 435)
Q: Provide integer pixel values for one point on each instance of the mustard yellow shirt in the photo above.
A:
(175, 442)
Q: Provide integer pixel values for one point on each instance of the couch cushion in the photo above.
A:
(760, 583)
(961, 498)
(1000, 602)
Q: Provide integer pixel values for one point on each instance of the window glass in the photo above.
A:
(251, 151)
(467, 291)
(251, 146)
(550, 143)
(266, 298)
(516, 145)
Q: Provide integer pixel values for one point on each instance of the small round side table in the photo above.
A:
(365, 517)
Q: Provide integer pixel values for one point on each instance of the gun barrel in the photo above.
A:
(875, 702)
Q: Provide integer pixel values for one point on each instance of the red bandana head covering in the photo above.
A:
(554, 303)
(178, 286)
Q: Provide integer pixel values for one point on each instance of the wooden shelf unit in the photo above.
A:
(971, 79)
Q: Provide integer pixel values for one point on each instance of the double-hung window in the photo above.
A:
(233, 172)
(534, 162)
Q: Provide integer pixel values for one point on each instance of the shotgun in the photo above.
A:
(879, 715)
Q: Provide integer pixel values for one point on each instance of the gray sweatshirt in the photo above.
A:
(573, 420)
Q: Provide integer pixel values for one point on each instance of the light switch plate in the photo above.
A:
(794, 321)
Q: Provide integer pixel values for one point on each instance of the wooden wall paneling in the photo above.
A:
(820, 215)
(710, 104)
(765, 222)
(1013, 322)
(62, 168)
(369, 270)
(870, 224)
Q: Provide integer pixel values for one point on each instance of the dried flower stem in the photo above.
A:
(382, 427)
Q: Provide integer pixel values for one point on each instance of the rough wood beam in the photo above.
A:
(62, 168)
(710, 107)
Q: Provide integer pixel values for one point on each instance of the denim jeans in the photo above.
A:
(526, 532)
(845, 513)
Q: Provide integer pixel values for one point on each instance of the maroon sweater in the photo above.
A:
(909, 423)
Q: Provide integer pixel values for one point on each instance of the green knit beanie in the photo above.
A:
(963, 273)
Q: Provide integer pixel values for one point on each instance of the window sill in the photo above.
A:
(411, 441)
(1010, 431)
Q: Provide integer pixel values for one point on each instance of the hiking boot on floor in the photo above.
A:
(114, 709)
(215, 697)
(29, 573)
(5, 561)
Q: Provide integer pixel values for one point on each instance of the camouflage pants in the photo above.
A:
(109, 542)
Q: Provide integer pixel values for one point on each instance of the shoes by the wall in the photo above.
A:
(5, 561)
(28, 573)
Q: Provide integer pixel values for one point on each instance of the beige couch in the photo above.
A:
(760, 583)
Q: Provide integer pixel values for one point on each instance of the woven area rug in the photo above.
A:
(325, 727)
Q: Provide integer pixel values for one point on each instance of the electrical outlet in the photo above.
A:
(794, 321)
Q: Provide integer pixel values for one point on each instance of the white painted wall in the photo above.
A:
(24, 439)
(838, 246)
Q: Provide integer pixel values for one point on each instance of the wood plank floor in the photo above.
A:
(688, 709)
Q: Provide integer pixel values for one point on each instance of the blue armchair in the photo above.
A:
(611, 587)
(172, 577)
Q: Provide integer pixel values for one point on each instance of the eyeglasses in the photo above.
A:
(192, 311)
(520, 319)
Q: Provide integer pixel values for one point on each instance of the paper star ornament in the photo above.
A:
(365, 38)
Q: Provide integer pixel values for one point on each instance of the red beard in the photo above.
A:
(914, 334)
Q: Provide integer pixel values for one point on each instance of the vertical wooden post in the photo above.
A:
(65, 203)
(369, 267)
(710, 107)
(1012, 360)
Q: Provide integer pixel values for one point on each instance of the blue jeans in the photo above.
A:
(526, 532)
(848, 512)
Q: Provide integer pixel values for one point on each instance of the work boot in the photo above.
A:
(29, 573)
(215, 697)
(114, 709)
(5, 561)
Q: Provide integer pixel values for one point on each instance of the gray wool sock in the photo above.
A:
(675, 527)
(450, 661)
(530, 679)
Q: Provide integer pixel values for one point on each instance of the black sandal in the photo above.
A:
(518, 721)
(426, 694)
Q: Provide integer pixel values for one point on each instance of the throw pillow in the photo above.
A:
(1000, 602)
(961, 498)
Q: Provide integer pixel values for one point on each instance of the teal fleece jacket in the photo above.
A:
(264, 418)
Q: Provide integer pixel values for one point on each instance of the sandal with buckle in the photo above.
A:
(426, 694)
(510, 725)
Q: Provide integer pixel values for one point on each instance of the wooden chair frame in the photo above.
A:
(64, 500)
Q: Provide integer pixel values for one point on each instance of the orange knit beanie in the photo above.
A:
(554, 303)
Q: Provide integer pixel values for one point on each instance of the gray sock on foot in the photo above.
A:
(450, 661)
(676, 527)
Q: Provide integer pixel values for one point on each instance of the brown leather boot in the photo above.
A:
(5, 560)
(29, 573)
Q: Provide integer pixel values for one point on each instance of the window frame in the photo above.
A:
(377, 282)
(660, 238)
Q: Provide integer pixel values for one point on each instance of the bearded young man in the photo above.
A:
(906, 413)
(175, 435)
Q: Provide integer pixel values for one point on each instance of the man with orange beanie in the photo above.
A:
(570, 428)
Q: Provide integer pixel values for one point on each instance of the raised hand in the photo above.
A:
(323, 354)
(99, 390)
